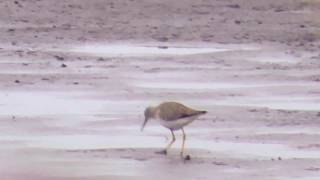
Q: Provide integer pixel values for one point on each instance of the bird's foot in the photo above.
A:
(186, 158)
(163, 152)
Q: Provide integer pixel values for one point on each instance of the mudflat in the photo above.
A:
(76, 76)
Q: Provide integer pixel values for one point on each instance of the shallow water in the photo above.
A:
(75, 103)
(60, 103)
(274, 58)
(299, 178)
(136, 50)
(218, 86)
(263, 94)
(306, 103)
(253, 130)
(230, 149)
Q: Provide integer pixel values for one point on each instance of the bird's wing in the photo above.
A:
(171, 111)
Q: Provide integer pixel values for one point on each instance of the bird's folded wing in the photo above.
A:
(174, 111)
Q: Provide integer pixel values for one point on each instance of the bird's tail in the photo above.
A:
(202, 112)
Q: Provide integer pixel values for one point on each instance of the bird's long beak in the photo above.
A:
(144, 123)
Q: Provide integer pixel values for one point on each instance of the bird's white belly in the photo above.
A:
(177, 124)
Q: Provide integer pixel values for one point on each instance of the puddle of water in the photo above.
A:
(262, 150)
(273, 60)
(240, 130)
(238, 150)
(134, 50)
(280, 58)
(267, 130)
(307, 103)
(300, 178)
(51, 103)
(302, 102)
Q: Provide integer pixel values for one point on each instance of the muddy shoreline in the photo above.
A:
(75, 77)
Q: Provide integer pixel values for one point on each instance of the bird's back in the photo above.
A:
(171, 111)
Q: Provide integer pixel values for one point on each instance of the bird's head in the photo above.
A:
(148, 114)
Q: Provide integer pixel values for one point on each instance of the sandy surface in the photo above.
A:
(75, 77)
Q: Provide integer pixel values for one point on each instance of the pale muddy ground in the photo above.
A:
(75, 77)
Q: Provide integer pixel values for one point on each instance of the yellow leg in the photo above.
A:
(172, 141)
(183, 142)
